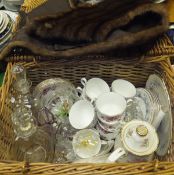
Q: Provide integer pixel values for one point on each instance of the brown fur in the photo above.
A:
(108, 26)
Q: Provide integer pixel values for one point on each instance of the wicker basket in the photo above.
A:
(136, 70)
(98, 66)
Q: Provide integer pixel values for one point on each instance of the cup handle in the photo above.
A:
(107, 146)
(79, 90)
(119, 152)
(93, 101)
(103, 142)
(158, 119)
(83, 81)
(129, 101)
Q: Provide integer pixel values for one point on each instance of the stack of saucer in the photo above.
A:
(6, 26)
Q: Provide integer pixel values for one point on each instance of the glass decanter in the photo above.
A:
(22, 116)
(39, 147)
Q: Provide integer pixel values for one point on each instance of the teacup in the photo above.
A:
(111, 128)
(101, 157)
(137, 142)
(92, 88)
(106, 135)
(87, 144)
(82, 115)
(124, 88)
(110, 107)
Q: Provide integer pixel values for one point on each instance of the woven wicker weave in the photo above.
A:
(109, 68)
(106, 68)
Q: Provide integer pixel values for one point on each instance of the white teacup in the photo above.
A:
(82, 115)
(124, 88)
(93, 88)
(110, 107)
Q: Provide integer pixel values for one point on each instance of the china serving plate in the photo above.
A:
(157, 86)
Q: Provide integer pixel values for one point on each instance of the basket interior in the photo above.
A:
(109, 69)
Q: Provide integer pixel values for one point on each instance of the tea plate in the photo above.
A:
(157, 86)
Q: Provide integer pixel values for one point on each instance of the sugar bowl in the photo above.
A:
(137, 142)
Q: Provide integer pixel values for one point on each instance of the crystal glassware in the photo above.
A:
(22, 117)
(39, 147)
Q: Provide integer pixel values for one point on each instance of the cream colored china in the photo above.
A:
(138, 141)
(86, 143)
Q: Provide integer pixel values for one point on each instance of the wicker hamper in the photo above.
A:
(136, 70)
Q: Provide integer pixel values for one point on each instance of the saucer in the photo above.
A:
(5, 40)
(157, 86)
(142, 93)
(2, 21)
(5, 22)
(7, 31)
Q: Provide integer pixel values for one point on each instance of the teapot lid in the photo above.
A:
(139, 138)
